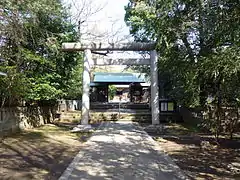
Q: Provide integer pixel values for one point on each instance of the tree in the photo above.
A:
(31, 36)
(112, 91)
(198, 43)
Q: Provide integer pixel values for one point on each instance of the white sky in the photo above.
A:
(107, 24)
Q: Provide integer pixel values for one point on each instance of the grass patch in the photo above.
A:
(41, 153)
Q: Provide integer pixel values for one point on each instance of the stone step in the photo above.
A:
(105, 106)
(108, 114)
(142, 120)
(113, 116)
(139, 115)
(124, 114)
(130, 111)
(121, 117)
(70, 115)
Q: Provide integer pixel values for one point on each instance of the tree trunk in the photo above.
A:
(219, 104)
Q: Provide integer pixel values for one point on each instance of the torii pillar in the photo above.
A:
(116, 47)
(86, 86)
(154, 87)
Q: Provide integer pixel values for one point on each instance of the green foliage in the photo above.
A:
(74, 88)
(12, 87)
(112, 91)
(198, 43)
(31, 36)
(195, 40)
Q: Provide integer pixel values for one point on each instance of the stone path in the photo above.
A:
(121, 151)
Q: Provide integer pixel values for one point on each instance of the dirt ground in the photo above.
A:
(45, 152)
(198, 155)
(41, 153)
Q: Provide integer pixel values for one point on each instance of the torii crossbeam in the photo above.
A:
(134, 46)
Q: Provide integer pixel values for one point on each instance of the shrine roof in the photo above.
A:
(103, 77)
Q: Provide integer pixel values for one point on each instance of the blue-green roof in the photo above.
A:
(92, 84)
(117, 78)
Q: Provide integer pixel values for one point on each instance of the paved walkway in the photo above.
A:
(121, 151)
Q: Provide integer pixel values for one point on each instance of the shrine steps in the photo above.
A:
(105, 106)
(100, 115)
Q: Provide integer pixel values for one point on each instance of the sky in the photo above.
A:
(106, 24)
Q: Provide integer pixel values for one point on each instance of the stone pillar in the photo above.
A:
(154, 88)
(86, 87)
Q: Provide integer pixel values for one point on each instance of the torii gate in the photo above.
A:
(87, 48)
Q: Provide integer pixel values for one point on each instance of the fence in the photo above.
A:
(8, 120)
(69, 105)
(14, 119)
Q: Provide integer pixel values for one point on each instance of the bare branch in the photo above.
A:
(84, 9)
